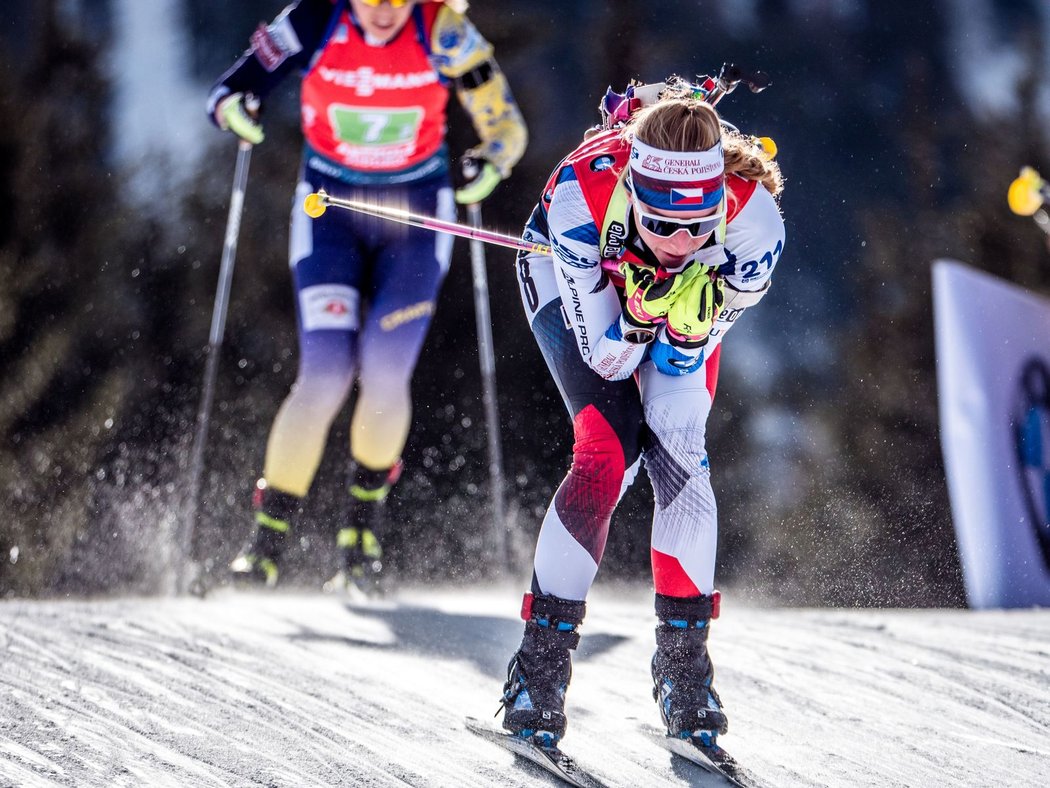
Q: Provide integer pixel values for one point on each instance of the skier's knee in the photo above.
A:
(684, 448)
(597, 452)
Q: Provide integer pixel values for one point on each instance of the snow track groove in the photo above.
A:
(301, 689)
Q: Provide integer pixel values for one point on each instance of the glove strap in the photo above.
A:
(690, 342)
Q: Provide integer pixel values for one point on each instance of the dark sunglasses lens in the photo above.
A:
(667, 229)
(655, 226)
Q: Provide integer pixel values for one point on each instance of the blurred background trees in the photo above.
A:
(899, 129)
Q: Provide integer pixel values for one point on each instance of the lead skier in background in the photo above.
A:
(376, 79)
(665, 227)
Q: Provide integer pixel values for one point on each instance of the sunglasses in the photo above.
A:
(393, 3)
(665, 226)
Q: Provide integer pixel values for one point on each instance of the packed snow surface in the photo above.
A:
(302, 689)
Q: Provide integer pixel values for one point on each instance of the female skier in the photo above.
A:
(664, 230)
(376, 81)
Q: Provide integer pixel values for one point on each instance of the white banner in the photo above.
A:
(993, 380)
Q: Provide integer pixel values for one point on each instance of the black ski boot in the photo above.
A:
(682, 669)
(274, 512)
(539, 673)
(360, 551)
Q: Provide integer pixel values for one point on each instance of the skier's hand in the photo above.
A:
(239, 113)
(475, 178)
(693, 313)
(650, 298)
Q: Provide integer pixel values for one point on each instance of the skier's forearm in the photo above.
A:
(275, 50)
(497, 121)
(463, 55)
(596, 319)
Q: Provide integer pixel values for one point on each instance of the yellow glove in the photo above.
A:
(241, 116)
(694, 311)
(649, 298)
(475, 179)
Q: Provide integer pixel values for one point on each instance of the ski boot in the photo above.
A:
(682, 670)
(539, 673)
(360, 551)
(257, 563)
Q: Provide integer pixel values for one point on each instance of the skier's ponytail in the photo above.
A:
(746, 158)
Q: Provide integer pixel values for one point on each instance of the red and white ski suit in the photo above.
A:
(623, 406)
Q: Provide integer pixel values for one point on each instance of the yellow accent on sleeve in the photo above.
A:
(491, 106)
(456, 45)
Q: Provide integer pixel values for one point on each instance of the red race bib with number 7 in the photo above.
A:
(375, 108)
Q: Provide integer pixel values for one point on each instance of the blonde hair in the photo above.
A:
(681, 122)
(746, 158)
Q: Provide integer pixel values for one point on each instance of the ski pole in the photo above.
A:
(316, 204)
(1042, 219)
(487, 359)
(218, 329)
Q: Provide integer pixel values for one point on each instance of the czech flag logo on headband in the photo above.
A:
(677, 180)
(690, 197)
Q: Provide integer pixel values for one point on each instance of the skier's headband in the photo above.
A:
(677, 180)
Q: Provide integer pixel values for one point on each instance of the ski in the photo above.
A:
(712, 758)
(550, 758)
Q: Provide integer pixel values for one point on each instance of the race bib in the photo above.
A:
(375, 126)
